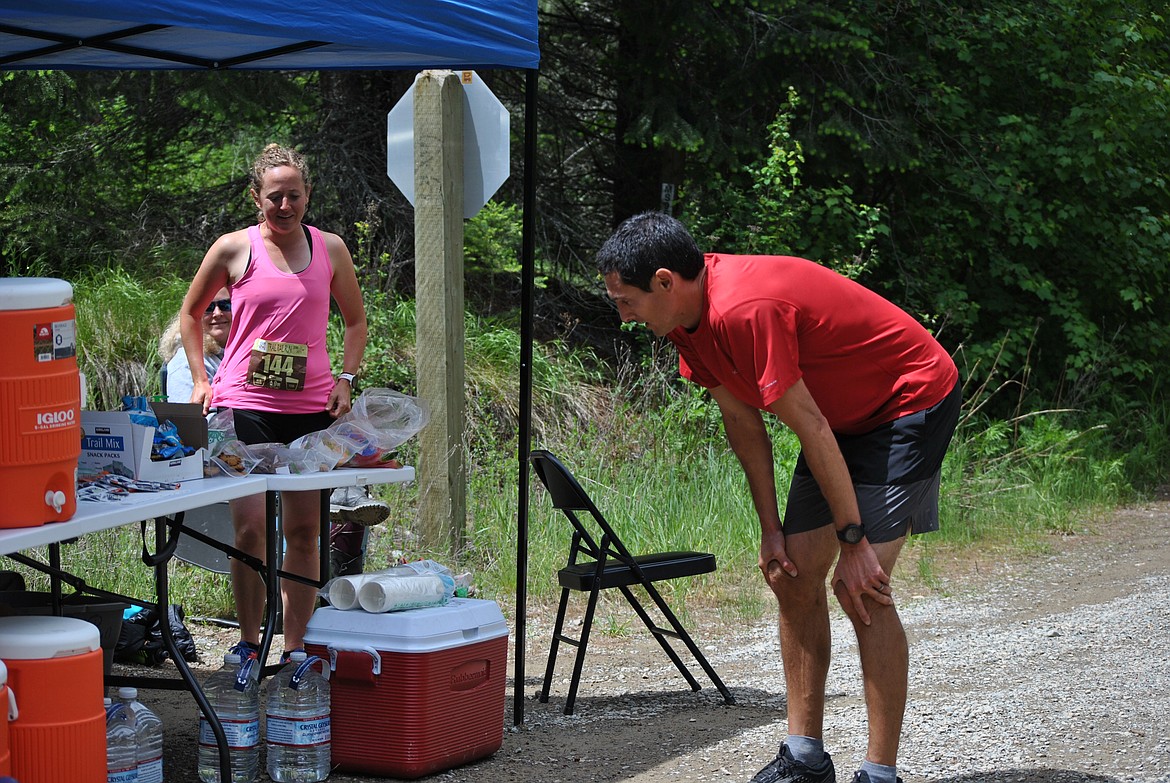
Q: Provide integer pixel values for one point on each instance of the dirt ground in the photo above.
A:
(637, 721)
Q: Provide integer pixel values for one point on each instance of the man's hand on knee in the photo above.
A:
(859, 576)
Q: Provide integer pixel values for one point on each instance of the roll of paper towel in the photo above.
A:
(342, 592)
(380, 593)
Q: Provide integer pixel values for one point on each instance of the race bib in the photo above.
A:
(280, 366)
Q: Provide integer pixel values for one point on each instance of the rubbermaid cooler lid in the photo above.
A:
(459, 622)
(34, 293)
(38, 637)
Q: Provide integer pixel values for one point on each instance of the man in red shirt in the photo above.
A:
(873, 399)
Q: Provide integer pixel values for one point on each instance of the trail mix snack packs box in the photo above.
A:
(112, 441)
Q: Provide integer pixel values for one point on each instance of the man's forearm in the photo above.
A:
(749, 440)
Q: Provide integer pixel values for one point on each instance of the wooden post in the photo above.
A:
(439, 330)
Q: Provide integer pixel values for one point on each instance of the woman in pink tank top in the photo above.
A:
(275, 374)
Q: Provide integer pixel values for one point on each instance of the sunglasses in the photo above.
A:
(225, 305)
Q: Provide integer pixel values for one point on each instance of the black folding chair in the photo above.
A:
(610, 564)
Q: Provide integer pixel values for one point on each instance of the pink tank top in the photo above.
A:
(275, 358)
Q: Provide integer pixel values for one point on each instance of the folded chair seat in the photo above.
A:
(656, 568)
(597, 561)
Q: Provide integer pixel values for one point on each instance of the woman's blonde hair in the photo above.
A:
(171, 341)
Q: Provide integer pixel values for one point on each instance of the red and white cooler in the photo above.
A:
(413, 692)
(8, 712)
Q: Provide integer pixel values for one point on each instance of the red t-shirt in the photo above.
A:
(769, 321)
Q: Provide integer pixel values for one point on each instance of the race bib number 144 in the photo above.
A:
(276, 365)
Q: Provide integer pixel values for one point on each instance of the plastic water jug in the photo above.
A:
(234, 695)
(149, 738)
(121, 744)
(297, 725)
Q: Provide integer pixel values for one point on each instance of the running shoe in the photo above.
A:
(785, 769)
(249, 661)
(246, 650)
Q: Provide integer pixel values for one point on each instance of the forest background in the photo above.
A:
(998, 169)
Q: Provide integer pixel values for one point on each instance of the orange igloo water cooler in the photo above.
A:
(40, 402)
(55, 672)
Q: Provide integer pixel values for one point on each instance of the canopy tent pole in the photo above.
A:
(527, 287)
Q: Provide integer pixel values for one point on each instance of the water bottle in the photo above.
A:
(234, 695)
(121, 744)
(297, 722)
(150, 737)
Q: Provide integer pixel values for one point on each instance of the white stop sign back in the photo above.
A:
(486, 149)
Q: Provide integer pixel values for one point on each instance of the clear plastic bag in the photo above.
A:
(225, 454)
(326, 446)
(278, 458)
(380, 421)
(221, 427)
(231, 458)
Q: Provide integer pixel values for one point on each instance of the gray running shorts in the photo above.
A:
(896, 471)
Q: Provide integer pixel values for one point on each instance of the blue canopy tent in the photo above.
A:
(312, 35)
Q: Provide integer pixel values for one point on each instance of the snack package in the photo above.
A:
(139, 410)
(231, 458)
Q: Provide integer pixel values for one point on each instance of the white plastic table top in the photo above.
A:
(340, 477)
(92, 517)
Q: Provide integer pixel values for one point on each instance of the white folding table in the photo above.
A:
(166, 508)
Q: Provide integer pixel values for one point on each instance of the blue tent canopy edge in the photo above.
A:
(270, 35)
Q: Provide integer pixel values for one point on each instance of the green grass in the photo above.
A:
(648, 448)
(119, 321)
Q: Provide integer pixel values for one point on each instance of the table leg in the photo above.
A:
(272, 541)
(55, 577)
(163, 595)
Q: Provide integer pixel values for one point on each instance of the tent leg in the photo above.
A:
(528, 263)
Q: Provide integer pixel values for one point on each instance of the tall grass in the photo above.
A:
(119, 321)
(648, 447)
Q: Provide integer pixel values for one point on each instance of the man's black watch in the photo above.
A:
(851, 534)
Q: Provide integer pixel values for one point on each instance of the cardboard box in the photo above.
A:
(111, 442)
(415, 692)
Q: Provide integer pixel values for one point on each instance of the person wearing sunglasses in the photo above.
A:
(217, 323)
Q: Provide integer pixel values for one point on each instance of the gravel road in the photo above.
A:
(1053, 668)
